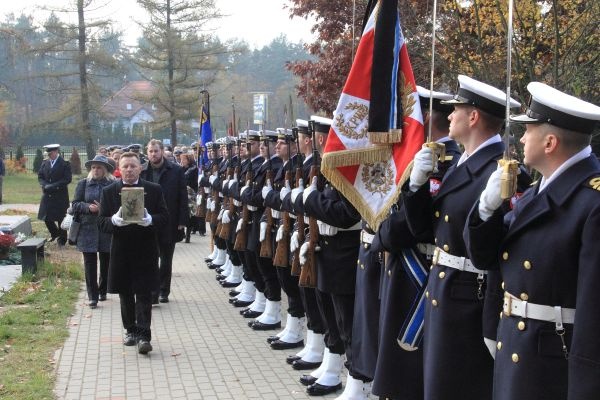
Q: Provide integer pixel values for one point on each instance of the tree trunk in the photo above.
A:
(170, 68)
(86, 130)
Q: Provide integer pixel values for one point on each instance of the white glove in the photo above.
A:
(220, 216)
(303, 253)
(239, 225)
(285, 190)
(491, 345)
(294, 244)
(279, 235)
(198, 199)
(208, 203)
(266, 189)
(213, 205)
(225, 184)
(423, 166)
(225, 218)
(206, 190)
(212, 178)
(297, 190)
(246, 186)
(490, 199)
(263, 231)
(233, 180)
(117, 220)
(310, 189)
(147, 220)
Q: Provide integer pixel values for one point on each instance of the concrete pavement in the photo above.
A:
(203, 348)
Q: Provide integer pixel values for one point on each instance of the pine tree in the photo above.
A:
(75, 162)
(37, 162)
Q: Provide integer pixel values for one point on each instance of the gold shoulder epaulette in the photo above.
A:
(533, 183)
(448, 158)
(594, 183)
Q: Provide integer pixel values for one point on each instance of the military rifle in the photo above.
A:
(308, 276)
(216, 199)
(213, 169)
(241, 239)
(266, 247)
(227, 200)
(296, 268)
(282, 251)
(201, 210)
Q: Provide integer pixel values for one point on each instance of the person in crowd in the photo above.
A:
(91, 242)
(54, 177)
(103, 151)
(171, 179)
(191, 178)
(2, 174)
(133, 265)
(116, 155)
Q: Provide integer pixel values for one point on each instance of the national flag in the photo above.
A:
(205, 133)
(377, 126)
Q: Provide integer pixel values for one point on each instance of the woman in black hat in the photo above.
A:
(90, 241)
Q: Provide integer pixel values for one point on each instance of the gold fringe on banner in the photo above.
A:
(344, 158)
(391, 137)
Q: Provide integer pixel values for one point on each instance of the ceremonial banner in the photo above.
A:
(377, 126)
(205, 133)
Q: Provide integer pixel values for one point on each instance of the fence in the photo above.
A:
(29, 151)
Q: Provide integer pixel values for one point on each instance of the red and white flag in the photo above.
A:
(378, 126)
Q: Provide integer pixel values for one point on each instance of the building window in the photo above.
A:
(129, 107)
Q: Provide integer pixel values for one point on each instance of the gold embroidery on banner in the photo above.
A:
(378, 177)
(349, 128)
(406, 91)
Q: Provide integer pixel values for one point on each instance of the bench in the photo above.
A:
(32, 252)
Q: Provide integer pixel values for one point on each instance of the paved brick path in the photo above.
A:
(203, 348)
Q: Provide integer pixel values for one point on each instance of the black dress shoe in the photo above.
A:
(301, 365)
(273, 338)
(213, 266)
(155, 299)
(144, 347)
(321, 390)
(129, 339)
(93, 304)
(51, 239)
(102, 297)
(221, 277)
(218, 270)
(290, 359)
(259, 326)
(163, 299)
(252, 314)
(241, 303)
(207, 260)
(233, 293)
(281, 345)
(229, 284)
(307, 380)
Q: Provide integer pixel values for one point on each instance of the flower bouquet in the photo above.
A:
(7, 242)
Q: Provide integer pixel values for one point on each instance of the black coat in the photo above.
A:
(90, 239)
(547, 250)
(336, 261)
(54, 182)
(454, 328)
(191, 177)
(173, 183)
(134, 249)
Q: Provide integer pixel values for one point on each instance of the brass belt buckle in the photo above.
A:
(507, 304)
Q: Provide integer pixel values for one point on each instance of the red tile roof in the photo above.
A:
(132, 93)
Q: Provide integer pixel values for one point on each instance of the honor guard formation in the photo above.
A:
(461, 292)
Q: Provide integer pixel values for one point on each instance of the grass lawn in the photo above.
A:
(25, 189)
(34, 313)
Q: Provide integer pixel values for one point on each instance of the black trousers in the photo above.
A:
(201, 225)
(251, 272)
(333, 340)
(136, 313)
(234, 256)
(269, 275)
(289, 284)
(55, 231)
(165, 268)
(94, 286)
(314, 321)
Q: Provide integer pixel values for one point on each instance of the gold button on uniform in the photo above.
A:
(437, 214)
(505, 255)
(524, 296)
(434, 302)
(446, 218)
(502, 285)
(357, 262)
(499, 345)
(366, 246)
(435, 240)
(521, 326)
(527, 265)
(362, 266)
(427, 294)
(389, 272)
(446, 247)
(515, 358)
(442, 275)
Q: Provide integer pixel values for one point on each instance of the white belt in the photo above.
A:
(326, 230)
(292, 215)
(515, 306)
(275, 214)
(460, 263)
(206, 190)
(251, 208)
(356, 227)
(366, 237)
(237, 203)
(306, 220)
(426, 248)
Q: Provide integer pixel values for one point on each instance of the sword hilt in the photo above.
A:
(438, 150)
(508, 180)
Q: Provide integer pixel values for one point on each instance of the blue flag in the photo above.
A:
(205, 133)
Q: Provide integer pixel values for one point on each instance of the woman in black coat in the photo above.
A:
(90, 241)
(191, 178)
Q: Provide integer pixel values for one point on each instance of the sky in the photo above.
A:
(256, 21)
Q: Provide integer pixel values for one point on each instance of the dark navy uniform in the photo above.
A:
(54, 180)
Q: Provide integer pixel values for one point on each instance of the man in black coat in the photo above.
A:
(171, 179)
(133, 268)
(54, 177)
